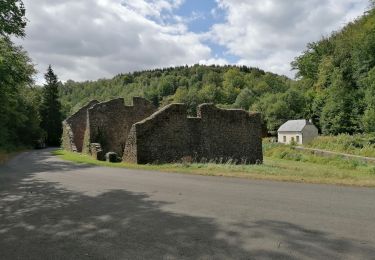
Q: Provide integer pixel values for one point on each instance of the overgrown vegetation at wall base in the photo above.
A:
(272, 169)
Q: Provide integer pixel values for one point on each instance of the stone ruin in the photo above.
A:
(74, 129)
(140, 134)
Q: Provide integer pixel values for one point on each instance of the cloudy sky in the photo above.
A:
(91, 39)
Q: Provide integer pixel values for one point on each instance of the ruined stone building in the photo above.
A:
(74, 129)
(214, 135)
(103, 127)
(109, 123)
(140, 134)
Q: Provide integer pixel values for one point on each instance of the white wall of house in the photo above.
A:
(308, 133)
(288, 137)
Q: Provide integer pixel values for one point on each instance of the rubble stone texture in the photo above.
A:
(74, 129)
(109, 123)
(140, 135)
(218, 135)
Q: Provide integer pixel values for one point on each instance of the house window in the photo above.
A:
(297, 139)
(284, 139)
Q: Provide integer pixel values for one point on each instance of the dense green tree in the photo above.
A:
(339, 68)
(277, 108)
(12, 18)
(340, 114)
(245, 99)
(188, 84)
(368, 119)
(232, 84)
(18, 118)
(50, 109)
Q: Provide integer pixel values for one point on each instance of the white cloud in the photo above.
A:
(90, 39)
(270, 33)
(214, 61)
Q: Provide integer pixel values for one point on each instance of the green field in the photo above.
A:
(280, 163)
(359, 144)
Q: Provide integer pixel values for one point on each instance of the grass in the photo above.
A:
(274, 168)
(360, 144)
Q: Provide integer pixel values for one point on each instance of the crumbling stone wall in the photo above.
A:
(163, 137)
(214, 135)
(74, 129)
(230, 134)
(109, 123)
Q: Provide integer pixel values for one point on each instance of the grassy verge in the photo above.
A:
(274, 168)
(360, 144)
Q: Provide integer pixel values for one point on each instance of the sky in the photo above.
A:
(92, 39)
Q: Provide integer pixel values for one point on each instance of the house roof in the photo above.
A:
(294, 126)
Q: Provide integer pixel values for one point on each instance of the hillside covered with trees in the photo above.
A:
(335, 85)
(227, 86)
(338, 74)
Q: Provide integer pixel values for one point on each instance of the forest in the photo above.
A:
(334, 86)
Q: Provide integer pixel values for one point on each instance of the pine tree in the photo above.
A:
(51, 109)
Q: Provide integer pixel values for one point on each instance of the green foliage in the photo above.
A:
(19, 119)
(340, 112)
(341, 68)
(50, 109)
(278, 108)
(12, 18)
(287, 152)
(360, 144)
(245, 99)
(369, 120)
(228, 86)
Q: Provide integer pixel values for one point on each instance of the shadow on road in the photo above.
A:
(40, 220)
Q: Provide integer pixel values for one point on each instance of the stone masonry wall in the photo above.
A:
(108, 123)
(215, 135)
(230, 134)
(74, 129)
(163, 137)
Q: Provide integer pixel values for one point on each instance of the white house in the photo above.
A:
(299, 131)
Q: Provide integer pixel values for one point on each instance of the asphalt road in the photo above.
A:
(51, 209)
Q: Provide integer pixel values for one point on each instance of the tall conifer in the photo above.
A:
(51, 109)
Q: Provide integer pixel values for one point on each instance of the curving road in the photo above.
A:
(51, 209)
